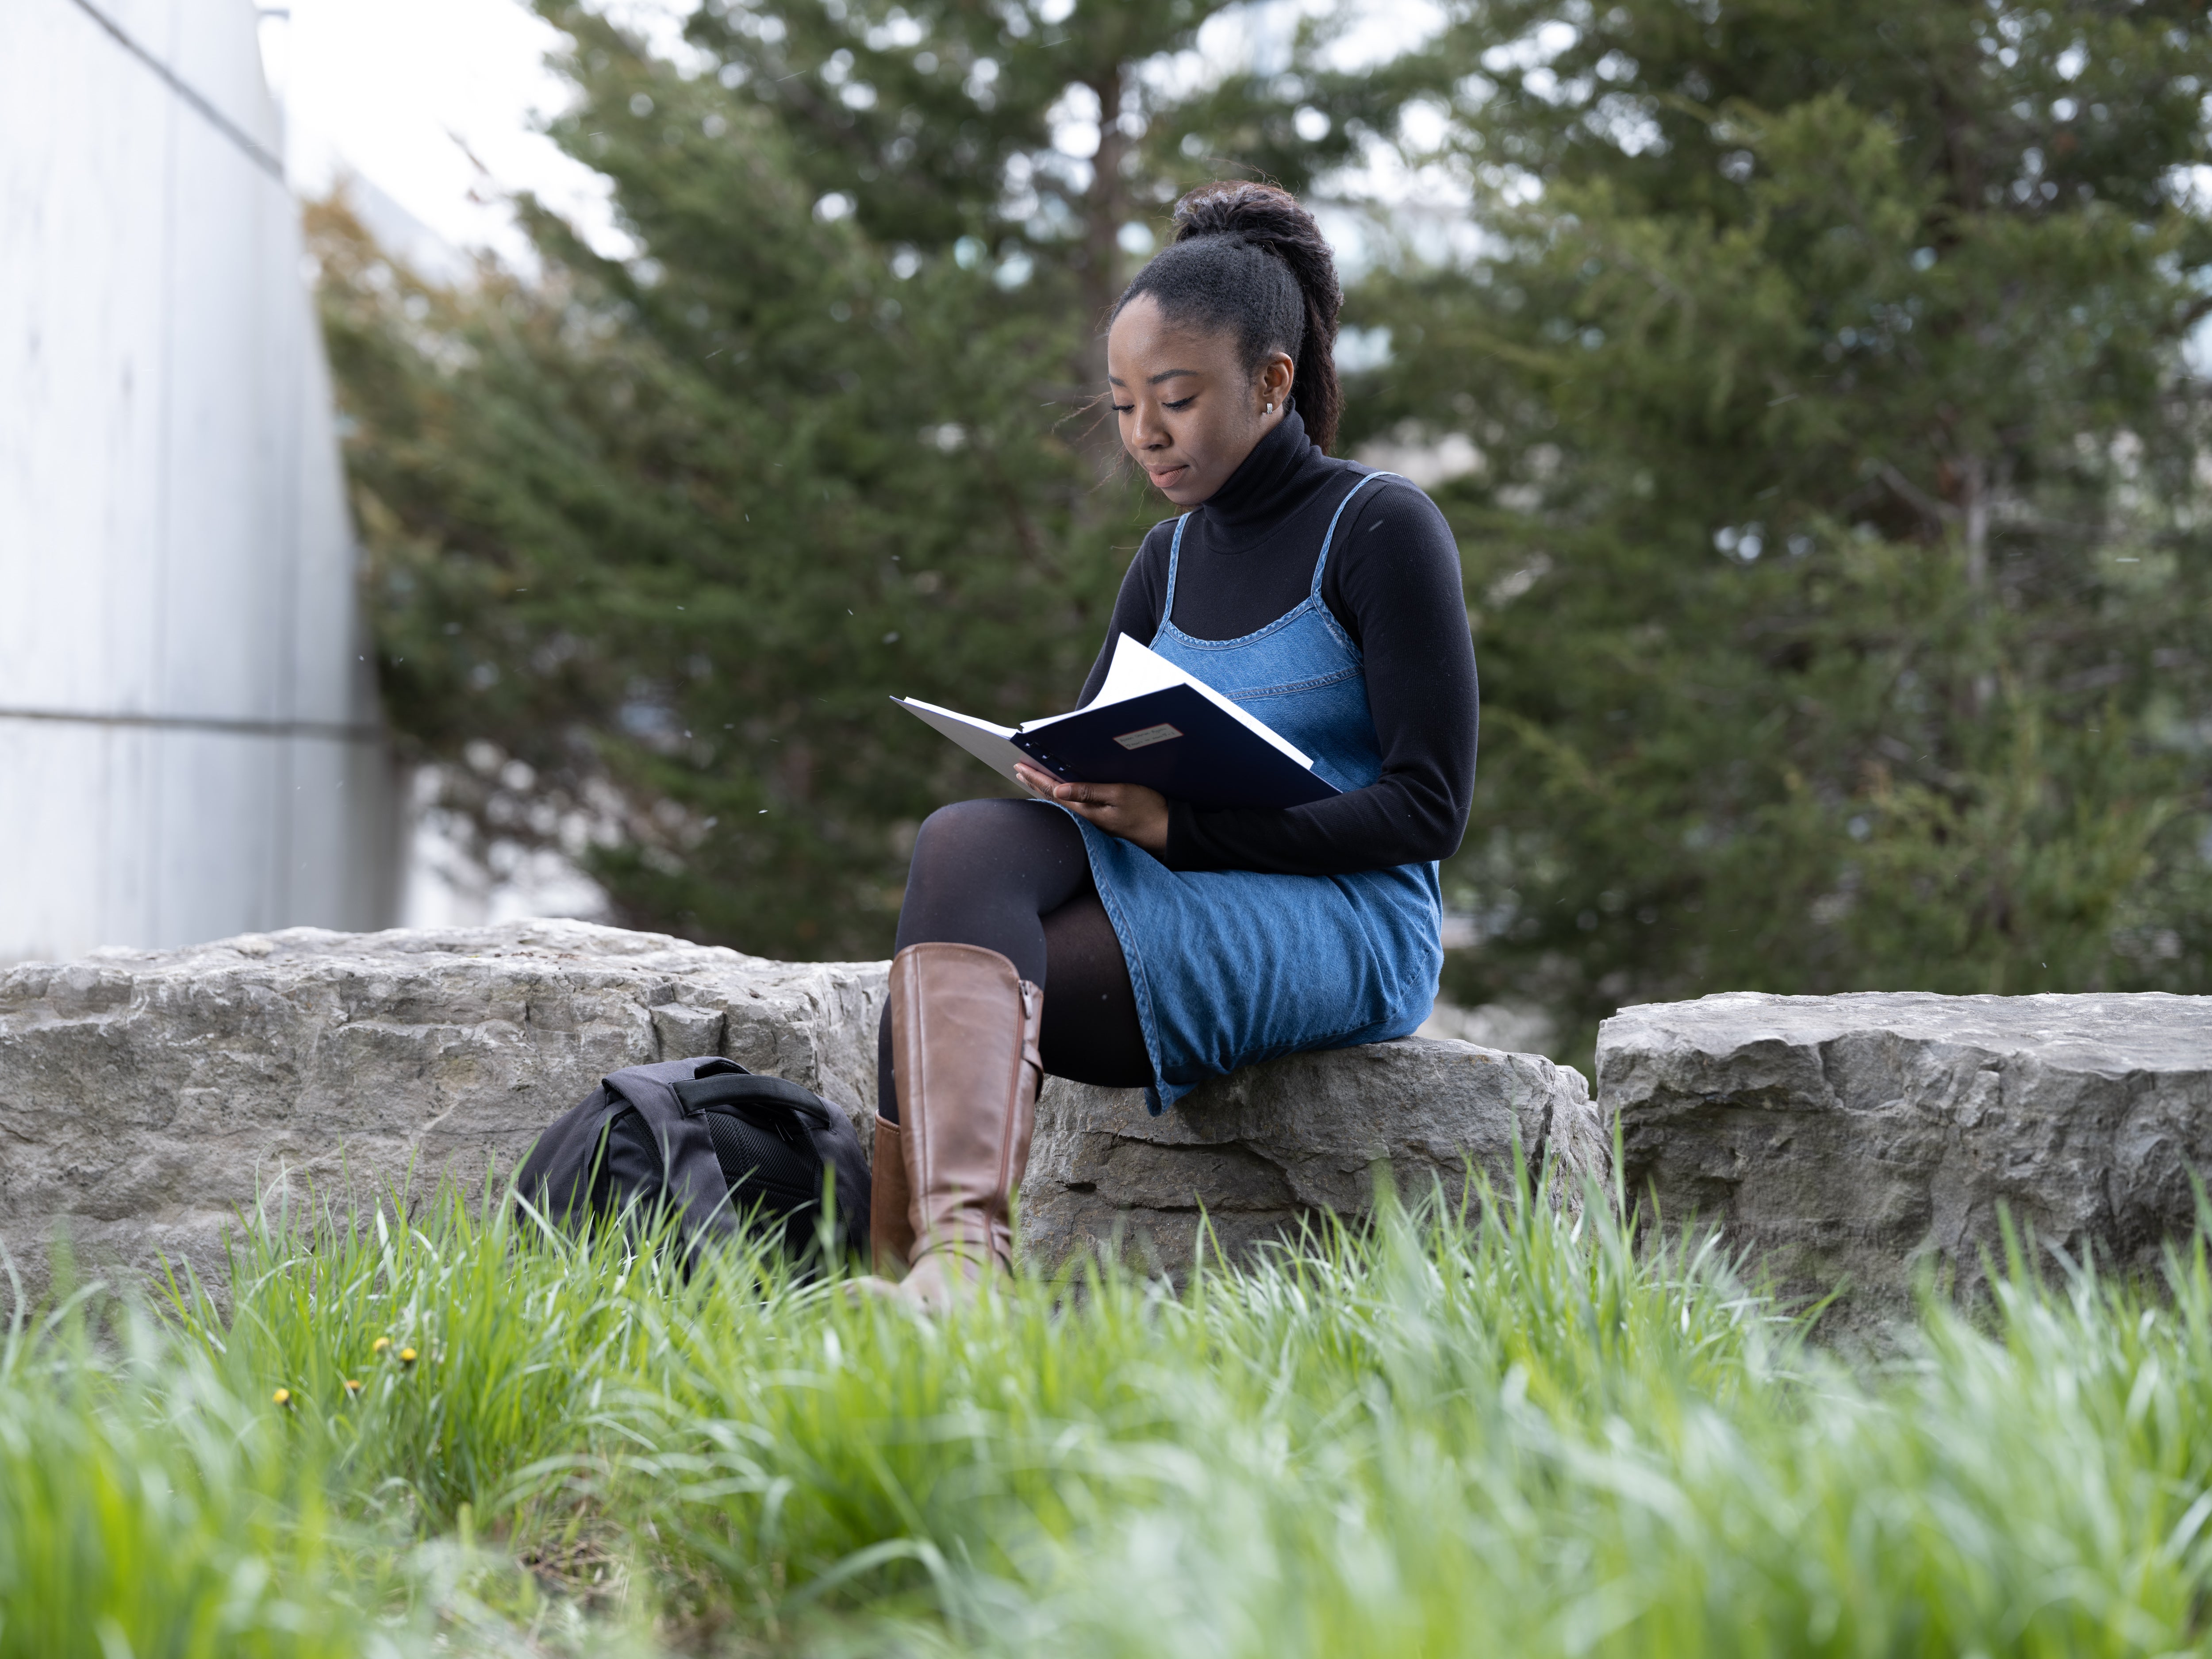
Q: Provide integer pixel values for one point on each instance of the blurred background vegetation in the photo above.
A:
(1809, 386)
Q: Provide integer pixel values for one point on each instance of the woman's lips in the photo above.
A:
(1162, 477)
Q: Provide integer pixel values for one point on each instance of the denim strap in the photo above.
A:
(1327, 536)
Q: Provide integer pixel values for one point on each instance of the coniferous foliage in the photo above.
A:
(654, 537)
(1836, 560)
(1834, 525)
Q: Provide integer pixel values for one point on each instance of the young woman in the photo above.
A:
(1105, 933)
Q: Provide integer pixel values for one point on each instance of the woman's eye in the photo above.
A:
(1180, 403)
(1124, 408)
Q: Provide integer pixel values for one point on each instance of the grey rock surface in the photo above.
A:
(147, 1097)
(1851, 1140)
(1279, 1141)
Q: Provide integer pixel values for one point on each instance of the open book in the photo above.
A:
(1151, 724)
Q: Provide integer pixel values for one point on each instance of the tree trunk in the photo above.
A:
(1974, 513)
(1107, 209)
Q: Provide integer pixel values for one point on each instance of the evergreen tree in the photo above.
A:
(1838, 563)
(1835, 545)
(653, 538)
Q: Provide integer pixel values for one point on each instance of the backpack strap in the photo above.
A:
(693, 1173)
(695, 1095)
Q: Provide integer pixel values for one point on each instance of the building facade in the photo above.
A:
(190, 745)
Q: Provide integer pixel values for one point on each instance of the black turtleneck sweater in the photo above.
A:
(1393, 582)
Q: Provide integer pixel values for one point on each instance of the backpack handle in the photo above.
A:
(697, 1094)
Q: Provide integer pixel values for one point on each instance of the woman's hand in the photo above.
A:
(1128, 809)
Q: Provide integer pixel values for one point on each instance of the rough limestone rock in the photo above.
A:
(145, 1098)
(1279, 1141)
(1853, 1139)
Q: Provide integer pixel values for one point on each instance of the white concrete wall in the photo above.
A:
(188, 742)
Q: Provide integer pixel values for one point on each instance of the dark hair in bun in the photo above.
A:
(1249, 258)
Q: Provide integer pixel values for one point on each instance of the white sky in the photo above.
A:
(404, 93)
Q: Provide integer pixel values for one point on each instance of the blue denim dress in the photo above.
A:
(1234, 966)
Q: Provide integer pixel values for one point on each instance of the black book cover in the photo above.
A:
(1176, 741)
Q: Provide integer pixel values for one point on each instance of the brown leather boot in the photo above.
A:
(965, 1029)
(890, 1228)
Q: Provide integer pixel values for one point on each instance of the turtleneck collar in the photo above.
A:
(1253, 496)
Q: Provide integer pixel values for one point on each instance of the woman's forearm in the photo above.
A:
(1400, 820)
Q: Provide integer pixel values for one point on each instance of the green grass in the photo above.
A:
(1511, 1437)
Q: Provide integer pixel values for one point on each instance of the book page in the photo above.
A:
(991, 744)
(1137, 669)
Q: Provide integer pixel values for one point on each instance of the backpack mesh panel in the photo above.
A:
(758, 1163)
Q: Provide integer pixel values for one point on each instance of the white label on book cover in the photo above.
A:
(1148, 736)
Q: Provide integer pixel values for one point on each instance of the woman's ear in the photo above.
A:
(1274, 382)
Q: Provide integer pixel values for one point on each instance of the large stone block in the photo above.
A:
(1282, 1140)
(145, 1098)
(1852, 1139)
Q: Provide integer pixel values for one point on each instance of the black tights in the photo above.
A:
(1011, 876)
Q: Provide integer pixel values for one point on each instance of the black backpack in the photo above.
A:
(721, 1147)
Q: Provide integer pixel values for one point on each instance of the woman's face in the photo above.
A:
(1189, 411)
